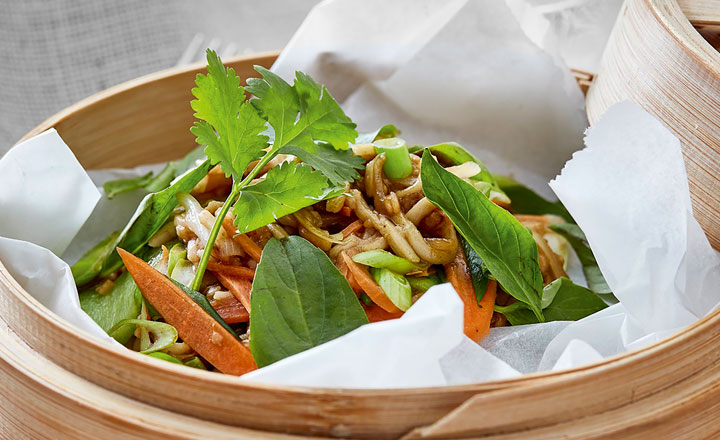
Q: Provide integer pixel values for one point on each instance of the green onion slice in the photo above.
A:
(398, 164)
(381, 259)
(164, 335)
(395, 286)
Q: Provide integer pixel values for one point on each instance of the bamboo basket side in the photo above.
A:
(105, 389)
(681, 91)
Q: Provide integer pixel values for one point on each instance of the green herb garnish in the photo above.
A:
(301, 116)
(299, 300)
(506, 247)
(562, 300)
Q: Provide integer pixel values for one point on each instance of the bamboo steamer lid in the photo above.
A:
(57, 382)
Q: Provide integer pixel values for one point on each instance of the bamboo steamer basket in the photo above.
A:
(57, 382)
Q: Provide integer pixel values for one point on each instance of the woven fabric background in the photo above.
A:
(56, 52)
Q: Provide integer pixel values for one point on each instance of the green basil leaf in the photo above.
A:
(299, 300)
(526, 201)
(576, 237)
(150, 216)
(478, 271)
(338, 166)
(88, 267)
(122, 302)
(506, 247)
(566, 301)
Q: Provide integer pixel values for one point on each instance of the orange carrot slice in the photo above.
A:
(239, 287)
(352, 228)
(198, 329)
(235, 271)
(368, 284)
(231, 310)
(376, 314)
(243, 240)
(345, 271)
(476, 316)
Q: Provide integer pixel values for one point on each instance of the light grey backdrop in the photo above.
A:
(56, 52)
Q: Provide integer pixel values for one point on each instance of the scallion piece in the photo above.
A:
(165, 357)
(395, 286)
(164, 334)
(381, 259)
(398, 164)
(423, 284)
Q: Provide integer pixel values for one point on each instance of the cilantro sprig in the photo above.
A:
(304, 120)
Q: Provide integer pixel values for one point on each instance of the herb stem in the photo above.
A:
(205, 259)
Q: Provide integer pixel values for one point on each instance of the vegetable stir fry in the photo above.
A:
(286, 229)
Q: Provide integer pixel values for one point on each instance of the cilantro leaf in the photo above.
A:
(229, 126)
(339, 166)
(302, 113)
(285, 189)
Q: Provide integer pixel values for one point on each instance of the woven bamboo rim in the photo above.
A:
(61, 383)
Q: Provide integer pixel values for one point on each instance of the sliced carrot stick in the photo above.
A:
(231, 310)
(352, 228)
(243, 240)
(198, 329)
(236, 271)
(239, 287)
(346, 211)
(213, 180)
(476, 316)
(368, 284)
(375, 314)
(345, 271)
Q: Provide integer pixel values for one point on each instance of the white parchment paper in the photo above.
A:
(465, 70)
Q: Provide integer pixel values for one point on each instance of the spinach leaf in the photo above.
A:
(151, 182)
(119, 186)
(339, 166)
(478, 271)
(507, 247)
(87, 267)
(107, 310)
(526, 201)
(150, 216)
(575, 236)
(299, 300)
(384, 132)
(563, 300)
